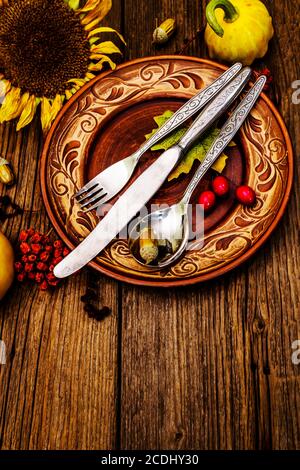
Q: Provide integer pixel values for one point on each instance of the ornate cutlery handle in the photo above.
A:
(190, 108)
(215, 109)
(227, 133)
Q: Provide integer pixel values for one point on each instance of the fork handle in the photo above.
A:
(215, 109)
(228, 131)
(193, 106)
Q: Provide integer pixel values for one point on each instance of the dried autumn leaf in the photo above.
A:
(197, 152)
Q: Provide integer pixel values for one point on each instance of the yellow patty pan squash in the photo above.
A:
(6, 265)
(238, 30)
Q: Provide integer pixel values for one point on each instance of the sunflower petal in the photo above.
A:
(105, 29)
(56, 106)
(10, 106)
(46, 115)
(106, 47)
(77, 81)
(99, 65)
(28, 112)
(95, 13)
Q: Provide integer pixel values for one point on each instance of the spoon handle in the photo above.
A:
(227, 133)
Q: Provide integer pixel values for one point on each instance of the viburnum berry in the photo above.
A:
(21, 277)
(44, 256)
(39, 277)
(23, 236)
(42, 266)
(208, 200)
(220, 186)
(44, 285)
(57, 253)
(25, 248)
(58, 244)
(37, 257)
(36, 248)
(245, 195)
(36, 238)
(18, 267)
(28, 267)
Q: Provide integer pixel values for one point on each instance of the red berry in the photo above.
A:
(23, 236)
(39, 277)
(58, 244)
(44, 285)
(57, 253)
(25, 248)
(31, 232)
(32, 258)
(18, 267)
(53, 283)
(51, 267)
(36, 238)
(207, 199)
(42, 266)
(25, 259)
(45, 239)
(49, 248)
(28, 267)
(44, 256)
(245, 195)
(57, 260)
(21, 277)
(36, 248)
(220, 186)
(66, 252)
(31, 276)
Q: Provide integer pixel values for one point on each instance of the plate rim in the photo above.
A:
(179, 282)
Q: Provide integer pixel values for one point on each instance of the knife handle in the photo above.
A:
(215, 109)
(193, 106)
(228, 131)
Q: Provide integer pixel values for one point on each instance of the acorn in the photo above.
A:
(6, 174)
(148, 246)
(163, 32)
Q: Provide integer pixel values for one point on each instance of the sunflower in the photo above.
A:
(48, 50)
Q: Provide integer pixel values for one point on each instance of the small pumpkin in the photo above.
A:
(6, 265)
(239, 33)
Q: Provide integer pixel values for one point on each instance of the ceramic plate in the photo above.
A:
(107, 121)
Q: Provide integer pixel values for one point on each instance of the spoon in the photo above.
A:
(160, 238)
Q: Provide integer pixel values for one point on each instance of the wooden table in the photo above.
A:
(205, 367)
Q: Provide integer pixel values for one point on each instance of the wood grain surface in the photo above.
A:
(204, 367)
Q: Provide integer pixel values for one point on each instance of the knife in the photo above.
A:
(148, 183)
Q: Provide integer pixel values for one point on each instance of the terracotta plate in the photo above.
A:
(107, 121)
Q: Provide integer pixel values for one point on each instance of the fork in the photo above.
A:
(109, 182)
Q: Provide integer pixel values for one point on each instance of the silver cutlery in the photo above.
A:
(146, 185)
(160, 238)
(109, 182)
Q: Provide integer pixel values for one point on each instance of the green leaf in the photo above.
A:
(197, 152)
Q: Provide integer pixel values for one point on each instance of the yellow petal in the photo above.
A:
(99, 65)
(106, 47)
(10, 106)
(105, 29)
(46, 115)
(28, 112)
(77, 81)
(89, 76)
(95, 9)
(56, 106)
(68, 94)
(74, 4)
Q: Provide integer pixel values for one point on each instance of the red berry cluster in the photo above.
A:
(221, 188)
(264, 71)
(37, 256)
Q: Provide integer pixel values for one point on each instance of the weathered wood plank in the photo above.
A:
(58, 389)
(209, 367)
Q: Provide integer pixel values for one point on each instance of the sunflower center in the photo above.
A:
(42, 45)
